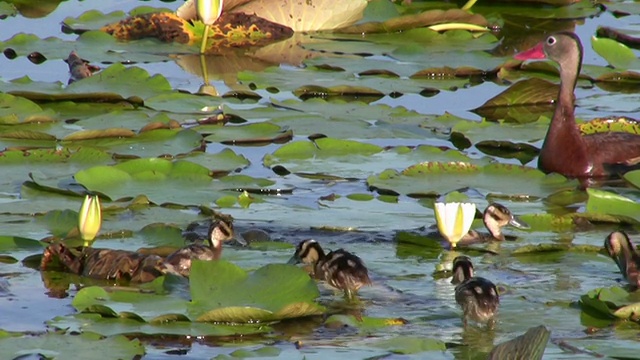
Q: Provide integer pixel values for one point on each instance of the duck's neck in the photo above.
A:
(564, 143)
(216, 246)
(494, 230)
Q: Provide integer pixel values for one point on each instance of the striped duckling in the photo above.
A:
(340, 269)
(495, 217)
(219, 232)
(477, 296)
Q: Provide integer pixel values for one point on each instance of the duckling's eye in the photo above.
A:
(551, 40)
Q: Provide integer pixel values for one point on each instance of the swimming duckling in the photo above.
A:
(495, 217)
(340, 269)
(477, 296)
(219, 231)
(626, 256)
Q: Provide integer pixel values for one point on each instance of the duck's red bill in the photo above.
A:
(536, 52)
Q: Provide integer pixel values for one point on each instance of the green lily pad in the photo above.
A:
(12, 243)
(436, 178)
(362, 322)
(273, 292)
(617, 55)
(610, 303)
(114, 83)
(18, 110)
(108, 326)
(247, 134)
(411, 345)
(59, 346)
(609, 203)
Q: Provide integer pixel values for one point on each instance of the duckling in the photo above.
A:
(495, 217)
(477, 296)
(340, 269)
(626, 256)
(219, 231)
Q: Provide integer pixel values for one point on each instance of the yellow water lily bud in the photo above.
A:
(89, 219)
(454, 220)
(208, 12)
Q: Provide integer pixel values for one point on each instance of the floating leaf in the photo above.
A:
(58, 346)
(272, 292)
(616, 54)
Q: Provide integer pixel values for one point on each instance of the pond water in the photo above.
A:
(538, 288)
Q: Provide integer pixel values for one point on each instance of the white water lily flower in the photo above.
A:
(89, 219)
(454, 220)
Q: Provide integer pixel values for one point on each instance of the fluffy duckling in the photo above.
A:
(219, 231)
(477, 296)
(625, 255)
(340, 269)
(495, 217)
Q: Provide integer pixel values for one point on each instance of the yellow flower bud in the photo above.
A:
(454, 220)
(208, 10)
(89, 219)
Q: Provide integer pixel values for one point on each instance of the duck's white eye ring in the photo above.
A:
(551, 40)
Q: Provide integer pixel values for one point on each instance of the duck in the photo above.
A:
(625, 255)
(565, 150)
(495, 217)
(219, 232)
(339, 268)
(477, 296)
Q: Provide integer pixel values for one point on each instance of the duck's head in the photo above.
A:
(307, 252)
(497, 216)
(462, 269)
(219, 232)
(622, 251)
(563, 47)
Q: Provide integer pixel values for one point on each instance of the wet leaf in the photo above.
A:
(616, 54)
(444, 177)
(272, 292)
(411, 345)
(609, 203)
(59, 346)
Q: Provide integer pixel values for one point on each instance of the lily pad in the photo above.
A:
(436, 178)
(59, 346)
(273, 292)
(609, 203)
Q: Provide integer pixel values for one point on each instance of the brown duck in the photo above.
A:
(565, 149)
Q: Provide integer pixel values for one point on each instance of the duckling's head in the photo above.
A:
(462, 269)
(219, 232)
(622, 251)
(307, 252)
(497, 216)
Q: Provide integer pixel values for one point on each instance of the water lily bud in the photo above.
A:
(454, 220)
(89, 219)
(209, 10)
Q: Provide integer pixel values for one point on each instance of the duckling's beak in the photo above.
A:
(240, 240)
(295, 259)
(518, 223)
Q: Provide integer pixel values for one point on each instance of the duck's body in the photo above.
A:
(477, 296)
(625, 255)
(565, 150)
(180, 260)
(340, 268)
(495, 217)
